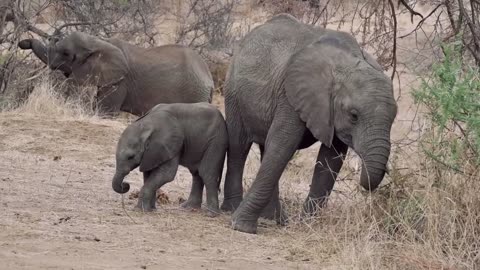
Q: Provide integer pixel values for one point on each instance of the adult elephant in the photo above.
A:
(288, 86)
(129, 78)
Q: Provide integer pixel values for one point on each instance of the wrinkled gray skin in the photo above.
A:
(129, 78)
(288, 86)
(192, 135)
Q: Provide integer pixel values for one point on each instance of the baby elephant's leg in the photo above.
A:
(195, 198)
(142, 205)
(211, 186)
(153, 180)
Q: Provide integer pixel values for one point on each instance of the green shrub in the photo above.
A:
(451, 97)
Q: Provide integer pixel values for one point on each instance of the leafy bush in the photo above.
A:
(451, 96)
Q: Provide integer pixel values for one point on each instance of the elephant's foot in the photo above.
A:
(144, 208)
(230, 205)
(145, 205)
(191, 204)
(275, 211)
(244, 224)
(312, 206)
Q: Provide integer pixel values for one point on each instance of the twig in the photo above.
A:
(125, 210)
(57, 30)
(412, 12)
(420, 23)
(11, 17)
(475, 36)
(394, 49)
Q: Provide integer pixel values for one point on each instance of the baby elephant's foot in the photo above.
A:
(213, 212)
(141, 207)
(191, 205)
(230, 205)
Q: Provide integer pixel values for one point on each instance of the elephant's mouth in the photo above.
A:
(62, 67)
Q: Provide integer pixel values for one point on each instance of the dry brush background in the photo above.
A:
(57, 156)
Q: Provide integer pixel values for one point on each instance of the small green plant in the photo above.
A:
(451, 96)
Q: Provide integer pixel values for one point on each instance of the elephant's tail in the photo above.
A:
(220, 174)
(223, 165)
(212, 89)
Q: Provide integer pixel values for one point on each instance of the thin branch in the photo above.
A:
(57, 30)
(420, 23)
(412, 12)
(11, 17)
(394, 49)
(475, 35)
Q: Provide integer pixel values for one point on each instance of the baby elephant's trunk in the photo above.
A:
(118, 185)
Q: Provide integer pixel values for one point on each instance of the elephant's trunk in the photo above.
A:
(37, 47)
(118, 185)
(375, 157)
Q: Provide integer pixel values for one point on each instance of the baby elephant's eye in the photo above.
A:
(131, 157)
(354, 115)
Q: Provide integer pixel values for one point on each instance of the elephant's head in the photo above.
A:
(147, 143)
(81, 55)
(339, 90)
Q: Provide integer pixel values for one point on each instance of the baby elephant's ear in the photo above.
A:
(162, 142)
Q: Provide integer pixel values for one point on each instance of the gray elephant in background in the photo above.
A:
(129, 78)
(290, 85)
(191, 135)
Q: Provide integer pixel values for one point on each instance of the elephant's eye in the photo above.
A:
(131, 157)
(354, 115)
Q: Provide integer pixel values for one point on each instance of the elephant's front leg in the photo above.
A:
(284, 136)
(153, 180)
(195, 198)
(274, 209)
(328, 164)
(109, 100)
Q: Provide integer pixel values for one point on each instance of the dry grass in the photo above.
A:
(424, 217)
(46, 99)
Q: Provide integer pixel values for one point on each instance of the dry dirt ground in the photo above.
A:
(59, 211)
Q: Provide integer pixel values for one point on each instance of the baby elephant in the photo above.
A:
(191, 135)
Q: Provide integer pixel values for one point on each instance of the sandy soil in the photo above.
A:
(59, 211)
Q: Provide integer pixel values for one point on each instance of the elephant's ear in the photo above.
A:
(99, 62)
(161, 143)
(309, 85)
(370, 60)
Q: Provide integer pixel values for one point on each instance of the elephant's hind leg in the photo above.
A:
(283, 138)
(328, 164)
(211, 187)
(195, 198)
(237, 156)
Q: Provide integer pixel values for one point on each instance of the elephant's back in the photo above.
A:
(187, 72)
(202, 122)
(167, 74)
(263, 54)
(254, 83)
